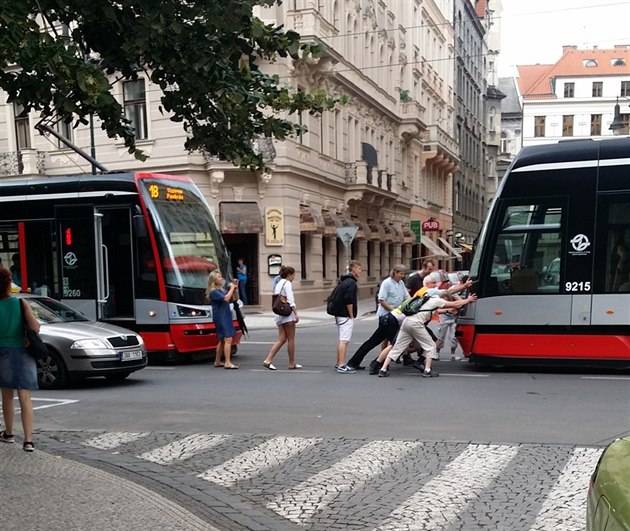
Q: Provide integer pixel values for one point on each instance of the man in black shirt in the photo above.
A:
(414, 283)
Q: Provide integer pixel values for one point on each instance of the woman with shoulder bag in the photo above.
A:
(286, 323)
(18, 370)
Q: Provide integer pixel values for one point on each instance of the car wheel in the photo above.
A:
(118, 377)
(51, 371)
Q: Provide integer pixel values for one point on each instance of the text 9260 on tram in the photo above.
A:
(132, 249)
(552, 262)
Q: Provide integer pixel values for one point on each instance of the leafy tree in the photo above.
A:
(62, 57)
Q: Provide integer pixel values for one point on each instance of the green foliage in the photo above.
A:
(203, 54)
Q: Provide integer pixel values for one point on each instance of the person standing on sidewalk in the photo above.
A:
(391, 294)
(18, 370)
(241, 276)
(222, 317)
(348, 313)
(286, 324)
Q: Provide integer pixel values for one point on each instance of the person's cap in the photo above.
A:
(444, 285)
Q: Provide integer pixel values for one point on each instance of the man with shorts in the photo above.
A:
(345, 322)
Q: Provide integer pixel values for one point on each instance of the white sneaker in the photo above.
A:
(455, 358)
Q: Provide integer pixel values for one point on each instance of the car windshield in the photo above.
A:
(48, 311)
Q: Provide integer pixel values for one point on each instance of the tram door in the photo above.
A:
(114, 264)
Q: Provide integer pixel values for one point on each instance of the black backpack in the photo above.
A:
(335, 304)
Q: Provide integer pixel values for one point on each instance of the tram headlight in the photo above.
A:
(89, 344)
(184, 311)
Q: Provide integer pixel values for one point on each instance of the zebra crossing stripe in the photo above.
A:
(437, 504)
(109, 441)
(183, 449)
(255, 461)
(564, 506)
(301, 502)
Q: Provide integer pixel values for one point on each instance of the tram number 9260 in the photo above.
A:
(577, 286)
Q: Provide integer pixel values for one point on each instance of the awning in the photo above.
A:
(450, 248)
(331, 222)
(311, 220)
(408, 236)
(433, 248)
(397, 232)
(363, 229)
(240, 218)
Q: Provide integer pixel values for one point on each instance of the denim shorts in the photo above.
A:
(17, 369)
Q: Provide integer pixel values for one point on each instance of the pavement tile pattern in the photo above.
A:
(265, 482)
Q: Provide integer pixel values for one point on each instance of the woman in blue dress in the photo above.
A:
(18, 371)
(222, 316)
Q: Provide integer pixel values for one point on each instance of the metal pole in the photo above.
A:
(92, 146)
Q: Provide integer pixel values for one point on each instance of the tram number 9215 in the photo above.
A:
(577, 286)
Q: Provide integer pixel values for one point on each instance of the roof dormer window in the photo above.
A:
(618, 62)
(589, 63)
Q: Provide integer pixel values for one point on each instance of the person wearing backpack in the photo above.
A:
(414, 327)
(342, 303)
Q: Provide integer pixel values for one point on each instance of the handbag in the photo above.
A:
(33, 344)
(280, 305)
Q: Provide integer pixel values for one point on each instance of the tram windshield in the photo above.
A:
(190, 244)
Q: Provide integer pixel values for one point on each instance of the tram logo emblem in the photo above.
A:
(580, 244)
(70, 259)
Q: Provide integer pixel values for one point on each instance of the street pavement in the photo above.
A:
(54, 488)
(80, 479)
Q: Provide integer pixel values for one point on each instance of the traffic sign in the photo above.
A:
(346, 234)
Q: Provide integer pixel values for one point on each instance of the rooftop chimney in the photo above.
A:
(568, 47)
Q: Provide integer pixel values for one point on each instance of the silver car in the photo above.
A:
(80, 348)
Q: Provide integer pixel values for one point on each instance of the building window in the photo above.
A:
(625, 88)
(22, 127)
(597, 89)
(304, 249)
(590, 63)
(618, 62)
(135, 102)
(569, 90)
(567, 125)
(596, 124)
(625, 124)
(325, 242)
(539, 126)
(65, 130)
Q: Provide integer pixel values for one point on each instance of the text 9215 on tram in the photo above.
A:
(552, 261)
(132, 249)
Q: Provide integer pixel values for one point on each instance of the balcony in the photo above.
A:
(23, 162)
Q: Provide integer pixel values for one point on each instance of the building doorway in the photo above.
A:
(245, 246)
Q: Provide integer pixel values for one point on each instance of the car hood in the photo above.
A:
(613, 477)
(82, 330)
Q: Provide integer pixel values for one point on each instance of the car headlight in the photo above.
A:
(140, 340)
(87, 344)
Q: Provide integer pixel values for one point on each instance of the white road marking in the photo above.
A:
(449, 374)
(258, 342)
(605, 377)
(54, 402)
(563, 507)
(437, 504)
(301, 502)
(287, 370)
(183, 449)
(257, 460)
(109, 441)
(153, 368)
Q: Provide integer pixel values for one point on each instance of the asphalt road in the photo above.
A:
(313, 449)
(517, 406)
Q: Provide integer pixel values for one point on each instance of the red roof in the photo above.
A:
(535, 81)
(480, 8)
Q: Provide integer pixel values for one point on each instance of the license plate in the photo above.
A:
(131, 355)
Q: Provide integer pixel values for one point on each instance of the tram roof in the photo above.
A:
(574, 150)
(71, 183)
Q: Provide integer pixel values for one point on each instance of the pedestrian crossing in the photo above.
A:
(384, 485)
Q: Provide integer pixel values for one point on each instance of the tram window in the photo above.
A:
(526, 254)
(614, 230)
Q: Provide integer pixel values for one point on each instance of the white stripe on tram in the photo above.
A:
(301, 502)
(109, 441)
(183, 449)
(437, 504)
(565, 505)
(257, 460)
